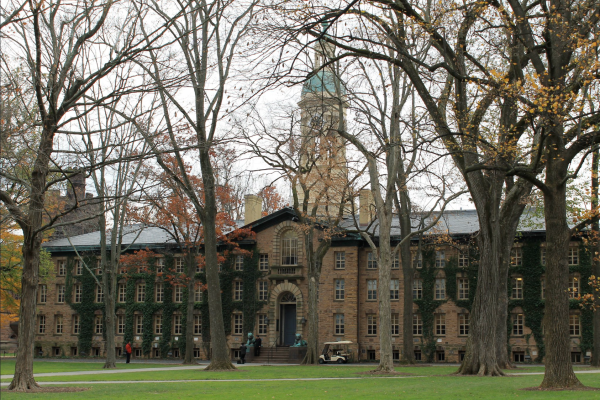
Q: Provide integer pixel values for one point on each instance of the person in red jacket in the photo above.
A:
(128, 351)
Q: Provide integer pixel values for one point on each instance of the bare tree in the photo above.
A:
(207, 39)
(464, 89)
(50, 48)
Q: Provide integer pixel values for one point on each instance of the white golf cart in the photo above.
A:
(336, 352)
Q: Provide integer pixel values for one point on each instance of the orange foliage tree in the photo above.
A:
(170, 209)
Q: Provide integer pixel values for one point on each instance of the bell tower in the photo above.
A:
(323, 109)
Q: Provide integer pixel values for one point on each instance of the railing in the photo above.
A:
(287, 270)
(272, 347)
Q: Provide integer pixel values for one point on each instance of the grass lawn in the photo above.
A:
(431, 387)
(7, 367)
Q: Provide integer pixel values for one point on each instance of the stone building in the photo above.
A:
(266, 292)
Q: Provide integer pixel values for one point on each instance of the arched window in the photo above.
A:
(289, 249)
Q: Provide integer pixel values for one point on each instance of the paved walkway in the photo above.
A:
(199, 367)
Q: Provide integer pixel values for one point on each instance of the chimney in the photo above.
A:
(252, 208)
(366, 208)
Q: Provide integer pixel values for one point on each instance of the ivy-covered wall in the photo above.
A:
(87, 308)
(428, 305)
(532, 303)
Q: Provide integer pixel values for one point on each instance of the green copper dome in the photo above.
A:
(322, 81)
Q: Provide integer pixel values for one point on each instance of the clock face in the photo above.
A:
(317, 121)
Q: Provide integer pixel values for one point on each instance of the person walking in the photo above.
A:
(257, 345)
(128, 352)
(243, 353)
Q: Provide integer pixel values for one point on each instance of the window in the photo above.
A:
(518, 356)
(179, 265)
(573, 256)
(394, 289)
(339, 324)
(371, 324)
(77, 291)
(371, 260)
(120, 324)
(75, 322)
(41, 324)
(239, 263)
(177, 325)
(289, 249)
(159, 292)
(139, 324)
(463, 259)
(517, 288)
(43, 290)
(238, 290)
(238, 320)
(99, 267)
(516, 257)
(371, 289)
(197, 324)
(122, 292)
(98, 329)
(198, 294)
(340, 259)
(463, 288)
(440, 289)
(543, 255)
(395, 260)
(518, 323)
(440, 355)
(574, 325)
(141, 292)
(573, 287)
(395, 324)
(263, 262)
(340, 289)
(263, 290)
(99, 294)
(417, 289)
(78, 267)
(440, 259)
(417, 260)
(158, 324)
(440, 324)
(61, 268)
(417, 355)
(60, 293)
(199, 268)
(160, 265)
(417, 324)
(262, 324)
(177, 294)
(371, 355)
(463, 324)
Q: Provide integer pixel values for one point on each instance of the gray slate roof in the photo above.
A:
(456, 222)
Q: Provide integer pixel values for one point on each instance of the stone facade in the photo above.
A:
(348, 307)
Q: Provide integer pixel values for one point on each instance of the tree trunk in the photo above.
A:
(189, 325)
(596, 256)
(221, 359)
(559, 370)
(109, 319)
(312, 350)
(502, 357)
(408, 346)
(386, 361)
(315, 261)
(480, 358)
(23, 379)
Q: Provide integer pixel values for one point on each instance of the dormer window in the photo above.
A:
(289, 249)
